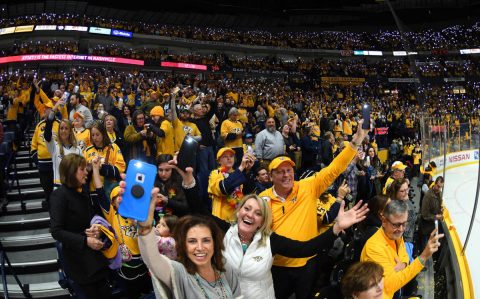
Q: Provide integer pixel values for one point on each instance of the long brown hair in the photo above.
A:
(101, 128)
(180, 235)
(68, 169)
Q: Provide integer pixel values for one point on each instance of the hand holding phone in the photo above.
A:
(366, 109)
(140, 179)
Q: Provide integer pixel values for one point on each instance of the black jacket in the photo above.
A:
(70, 213)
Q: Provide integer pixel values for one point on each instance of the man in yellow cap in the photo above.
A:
(398, 172)
(294, 206)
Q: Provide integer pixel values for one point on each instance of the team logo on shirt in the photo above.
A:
(257, 258)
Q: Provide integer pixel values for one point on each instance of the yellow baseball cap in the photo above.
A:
(397, 165)
(279, 160)
(223, 150)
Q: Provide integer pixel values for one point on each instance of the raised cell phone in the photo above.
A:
(139, 184)
(366, 116)
(187, 156)
(436, 227)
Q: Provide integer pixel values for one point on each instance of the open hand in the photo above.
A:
(345, 219)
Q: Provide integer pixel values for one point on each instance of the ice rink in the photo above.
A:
(459, 197)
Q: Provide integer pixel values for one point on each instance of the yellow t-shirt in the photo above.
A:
(83, 138)
(125, 229)
(322, 209)
(182, 129)
(229, 126)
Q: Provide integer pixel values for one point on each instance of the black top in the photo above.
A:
(70, 213)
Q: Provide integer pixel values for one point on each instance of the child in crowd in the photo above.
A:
(164, 236)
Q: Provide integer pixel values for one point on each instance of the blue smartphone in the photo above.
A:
(140, 179)
(366, 116)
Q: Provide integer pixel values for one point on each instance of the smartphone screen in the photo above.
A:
(187, 156)
(366, 116)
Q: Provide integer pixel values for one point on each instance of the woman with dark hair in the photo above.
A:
(112, 162)
(126, 118)
(363, 280)
(199, 271)
(71, 211)
(140, 139)
(171, 194)
(374, 171)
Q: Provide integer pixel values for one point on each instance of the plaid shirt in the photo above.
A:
(350, 175)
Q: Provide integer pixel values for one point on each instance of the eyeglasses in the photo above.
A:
(397, 225)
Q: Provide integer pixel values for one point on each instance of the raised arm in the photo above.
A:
(158, 264)
(191, 190)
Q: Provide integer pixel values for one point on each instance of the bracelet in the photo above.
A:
(341, 198)
(422, 261)
(190, 186)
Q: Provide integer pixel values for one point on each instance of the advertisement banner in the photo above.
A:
(45, 27)
(73, 28)
(403, 80)
(69, 57)
(181, 65)
(121, 33)
(342, 80)
(26, 28)
(456, 79)
(7, 30)
(98, 30)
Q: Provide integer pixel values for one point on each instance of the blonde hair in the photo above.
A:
(71, 137)
(266, 227)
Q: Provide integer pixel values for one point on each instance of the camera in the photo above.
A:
(140, 178)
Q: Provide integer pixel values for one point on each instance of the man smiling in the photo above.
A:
(387, 248)
(294, 206)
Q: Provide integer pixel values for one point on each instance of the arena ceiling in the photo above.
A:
(272, 14)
